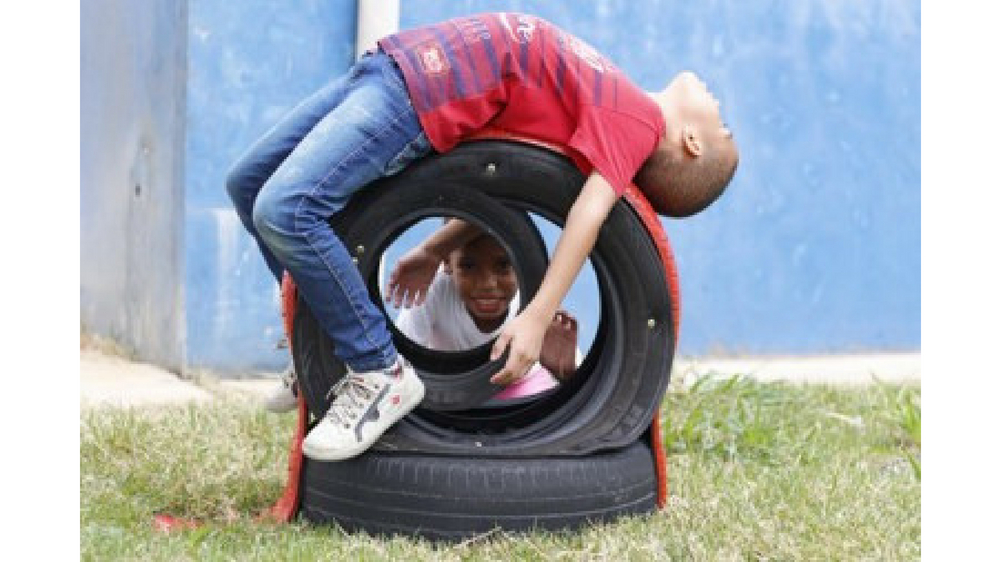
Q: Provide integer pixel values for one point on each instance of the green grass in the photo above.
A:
(757, 471)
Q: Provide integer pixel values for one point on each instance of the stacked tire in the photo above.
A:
(457, 467)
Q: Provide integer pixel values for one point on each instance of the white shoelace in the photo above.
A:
(352, 395)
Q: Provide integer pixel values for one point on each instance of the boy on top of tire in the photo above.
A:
(427, 89)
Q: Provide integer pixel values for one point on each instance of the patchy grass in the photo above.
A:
(757, 471)
(774, 471)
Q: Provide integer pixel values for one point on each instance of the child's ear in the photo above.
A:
(691, 140)
(447, 267)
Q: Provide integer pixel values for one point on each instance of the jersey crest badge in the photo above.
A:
(432, 59)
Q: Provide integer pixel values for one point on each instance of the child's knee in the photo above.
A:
(239, 186)
(271, 217)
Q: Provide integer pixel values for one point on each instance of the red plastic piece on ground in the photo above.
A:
(170, 524)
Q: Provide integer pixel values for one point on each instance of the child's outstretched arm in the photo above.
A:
(526, 332)
(414, 272)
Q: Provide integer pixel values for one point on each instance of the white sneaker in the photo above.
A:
(364, 406)
(284, 398)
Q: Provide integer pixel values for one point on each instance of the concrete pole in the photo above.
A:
(376, 19)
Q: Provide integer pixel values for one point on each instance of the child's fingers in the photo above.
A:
(569, 322)
(390, 287)
(512, 371)
(417, 298)
(518, 362)
(517, 366)
(563, 320)
(499, 346)
(393, 285)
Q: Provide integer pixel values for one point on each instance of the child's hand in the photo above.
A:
(524, 334)
(559, 346)
(411, 278)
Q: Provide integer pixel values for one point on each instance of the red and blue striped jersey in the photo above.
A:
(524, 75)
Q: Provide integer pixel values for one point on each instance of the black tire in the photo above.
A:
(620, 384)
(442, 498)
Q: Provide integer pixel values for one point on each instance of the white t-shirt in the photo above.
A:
(442, 322)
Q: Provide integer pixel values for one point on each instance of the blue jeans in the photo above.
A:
(353, 131)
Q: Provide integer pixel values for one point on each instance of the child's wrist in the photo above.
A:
(434, 251)
(539, 312)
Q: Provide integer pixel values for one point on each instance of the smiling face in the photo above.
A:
(485, 279)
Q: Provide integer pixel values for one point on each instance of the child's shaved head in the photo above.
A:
(677, 186)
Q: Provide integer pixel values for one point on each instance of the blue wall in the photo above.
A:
(132, 93)
(814, 248)
(249, 62)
